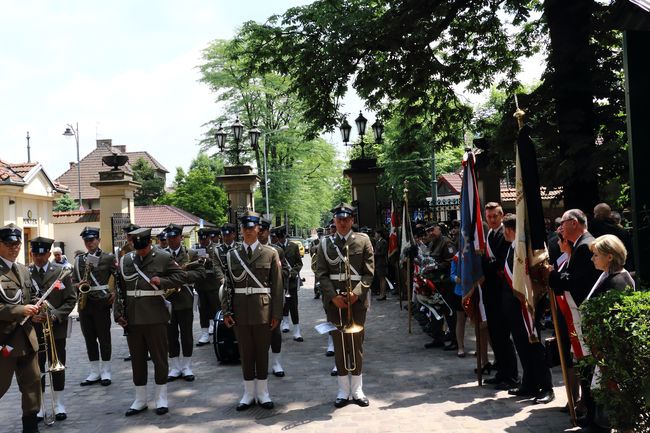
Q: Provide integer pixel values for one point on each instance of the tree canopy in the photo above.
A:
(151, 188)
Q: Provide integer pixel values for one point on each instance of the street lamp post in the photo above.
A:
(361, 122)
(255, 135)
(71, 131)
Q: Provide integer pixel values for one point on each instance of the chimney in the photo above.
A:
(105, 142)
(73, 164)
(120, 148)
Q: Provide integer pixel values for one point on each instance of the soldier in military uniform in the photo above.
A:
(18, 343)
(128, 246)
(162, 240)
(293, 259)
(332, 277)
(229, 234)
(276, 334)
(182, 306)
(61, 302)
(253, 305)
(95, 272)
(313, 249)
(147, 273)
(208, 287)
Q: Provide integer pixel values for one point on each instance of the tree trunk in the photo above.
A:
(571, 61)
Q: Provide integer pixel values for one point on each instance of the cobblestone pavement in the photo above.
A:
(411, 389)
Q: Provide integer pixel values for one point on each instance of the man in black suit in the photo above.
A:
(603, 224)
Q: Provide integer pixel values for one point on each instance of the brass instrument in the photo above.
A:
(171, 291)
(350, 327)
(201, 261)
(54, 365)
(84, 286)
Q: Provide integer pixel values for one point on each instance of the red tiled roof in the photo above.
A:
(163, 215)
(454, 180)
(76, 216)
(15, 173)
(91, 165)
(509, 193)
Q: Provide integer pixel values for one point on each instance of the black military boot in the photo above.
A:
(30, 424)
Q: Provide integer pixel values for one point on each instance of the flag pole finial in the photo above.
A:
(519, 114)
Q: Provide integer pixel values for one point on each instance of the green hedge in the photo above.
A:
(616, 326)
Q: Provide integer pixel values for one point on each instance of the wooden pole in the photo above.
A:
(477, 330)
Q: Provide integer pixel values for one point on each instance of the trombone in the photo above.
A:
(351, 327)
(54, 364)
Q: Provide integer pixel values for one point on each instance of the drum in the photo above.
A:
(226, 347)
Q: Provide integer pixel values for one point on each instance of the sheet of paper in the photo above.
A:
(325, 328)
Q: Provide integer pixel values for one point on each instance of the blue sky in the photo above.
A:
(122, 69)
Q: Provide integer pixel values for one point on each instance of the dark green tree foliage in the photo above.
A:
(197, 192)
(65, 203)
(151, 188)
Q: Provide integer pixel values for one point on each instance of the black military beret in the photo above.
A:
(10, 233)
(41, 245)
(89, 233)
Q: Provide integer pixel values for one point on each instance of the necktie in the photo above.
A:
(249, 251)
(175, 255)
(41, 272)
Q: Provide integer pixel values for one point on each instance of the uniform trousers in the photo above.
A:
(152, 339)
(254, 343)
(499, 304)
(58, 377)
(353, 343)
(181, 320)
(291, 305)
(28, 377)
(95, 320)
(208, 306)
(276, 340)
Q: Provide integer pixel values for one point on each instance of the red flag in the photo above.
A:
(392, 237)
(6, 350)
(58, 285)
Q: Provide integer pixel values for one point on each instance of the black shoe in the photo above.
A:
(363, 401)
(132, 412)
(341, 402)
(329, 353)
(492, 381)
(172, 378)
(161, 410)
(243, 406)
(39, 419)
(434, 343)
(334, 373)
(105, 382)
(60, 416)
(267, 405)
(522, 392)
(487, 369)
(317, 296)
(505, 385)
(278, 373)
(127, 358)
(298, 339)
(451, 347)
(189, 378)
(544, 397)
(89, 382)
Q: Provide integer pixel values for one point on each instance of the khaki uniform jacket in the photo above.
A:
(106, 267)
(62, 300)
(23, 339)
(329, 263)
(254, 309)
(184, 298)
(223, 249)
(146, 310)
(213, 272)
(292, 257)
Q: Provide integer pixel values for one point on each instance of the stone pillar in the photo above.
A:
(363, 175)
(239, 181)
(116, 188)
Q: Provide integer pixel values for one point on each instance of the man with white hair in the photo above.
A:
(60, 258)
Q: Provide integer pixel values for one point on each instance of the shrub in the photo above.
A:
(616, 326)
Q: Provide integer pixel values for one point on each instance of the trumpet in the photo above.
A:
(351, 327)
(54, 364)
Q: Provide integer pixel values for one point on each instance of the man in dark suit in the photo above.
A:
(95, 272)
(18, 343)
(61, 302)
(331, 273)
(253, 305)
(146, 274)
(294, 261)
(603, 224)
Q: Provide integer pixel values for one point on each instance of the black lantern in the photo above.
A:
(361, 125)
(220, 137)
(237, 130)
(378, 131)
(345, 131)
(254, 135)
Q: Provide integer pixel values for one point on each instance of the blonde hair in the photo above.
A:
(610, 244)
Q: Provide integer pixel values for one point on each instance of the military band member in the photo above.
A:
(332, 277)
(95, 272)
(18, 343)
(61, 302)
(313, 249)
(182, 306)
(293, 259)
(253, 305)
(128, 246)
(162, 240)
(229, 235)
(208, 287)
(146, 274)
(276, 334)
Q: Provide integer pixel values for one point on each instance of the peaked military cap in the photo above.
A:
(41, 245)
(343, 210)
(265, 224)
(281, 231)
(250, 219)
(214, 232)
(228, 228)
(10, 233)
(89, 233)
(320, 230)
(173, 230)
(204, 233)
(140, 237)
(162, 235)
(131, 227)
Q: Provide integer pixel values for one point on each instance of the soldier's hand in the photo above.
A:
(353, 298)
(122, 322)
(155, 281)
(39, 318)
(340, 301)
(111, 299)
(30, 310)
(228, 321)
(274, 324)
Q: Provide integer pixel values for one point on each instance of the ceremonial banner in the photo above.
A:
(392, 237)
(407, 233)
(530, 244)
